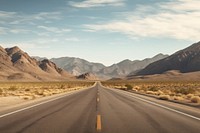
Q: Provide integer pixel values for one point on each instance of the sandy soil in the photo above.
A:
(11, 102)
(6, 102)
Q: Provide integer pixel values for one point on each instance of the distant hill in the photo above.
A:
(16, 64)
(87, 76)
(127, 67)
(39, 58)
(186, 60)
(77, 66)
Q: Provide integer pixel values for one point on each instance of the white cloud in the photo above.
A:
(72, 39)
(179, 20)
(17, 31)
(15, 18)
(96, 3)
(46, 16)
(54, 29)
(4, 14)
(17, 23)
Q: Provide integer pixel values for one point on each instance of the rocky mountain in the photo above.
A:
(50, 67)
(39, 58)
(186, 60)
(16, 64)
(77, 66)
(87, 76)
(127, 67)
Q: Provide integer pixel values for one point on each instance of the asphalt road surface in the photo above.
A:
(99, 109)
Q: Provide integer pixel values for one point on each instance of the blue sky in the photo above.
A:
(106, 31)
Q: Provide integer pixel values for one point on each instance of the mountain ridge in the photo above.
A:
(15, 64)
(185, 60)
(78, 66)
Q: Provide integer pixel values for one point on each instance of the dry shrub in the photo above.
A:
(160, 92)
(151, 92)
(136, 87)
(1, 91)
(164, 97)
(189, 96)
(27, 89)
(128, 87)
(26, 97)
(12, 88)
(153, 88)
(185, 90)
(195, 99)
(39, 92)
(178, 98)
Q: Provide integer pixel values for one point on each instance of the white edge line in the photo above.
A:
(159, 105)
(29, 107)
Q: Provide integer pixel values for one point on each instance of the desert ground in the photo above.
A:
(177, 91)
(14, 93)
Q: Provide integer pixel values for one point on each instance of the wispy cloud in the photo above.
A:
(4, 14)
(19, 18)
(178, 19)
(96, 3)
(54, 29)
(72, 39)
(17, 31)
(22, 23)
(46, 16)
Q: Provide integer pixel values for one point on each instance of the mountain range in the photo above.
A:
(16, 64)
(77, 66)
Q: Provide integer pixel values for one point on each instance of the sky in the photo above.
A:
(105, 31)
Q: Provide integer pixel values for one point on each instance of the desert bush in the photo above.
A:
(26, 97)
(195, 99)
(189, 96)
(62, 86)
(27, 89)
(164, 97)
(184, 91)
(128, 87)
(178, 98)
(1, 91)
(153, 88)
(12, 88)
(159, 92)
(151, 92)
(136, 87)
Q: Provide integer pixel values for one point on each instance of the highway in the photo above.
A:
(102, 110)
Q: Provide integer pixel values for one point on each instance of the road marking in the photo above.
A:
(99, 123)
(162, 106)
(29, 107)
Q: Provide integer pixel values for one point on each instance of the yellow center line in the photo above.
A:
(99, 123)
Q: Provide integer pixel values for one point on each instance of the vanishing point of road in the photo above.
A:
(102, 110)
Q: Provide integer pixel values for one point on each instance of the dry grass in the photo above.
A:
(195, 99)
(185, 91)
(178, 98)
(32, 90)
